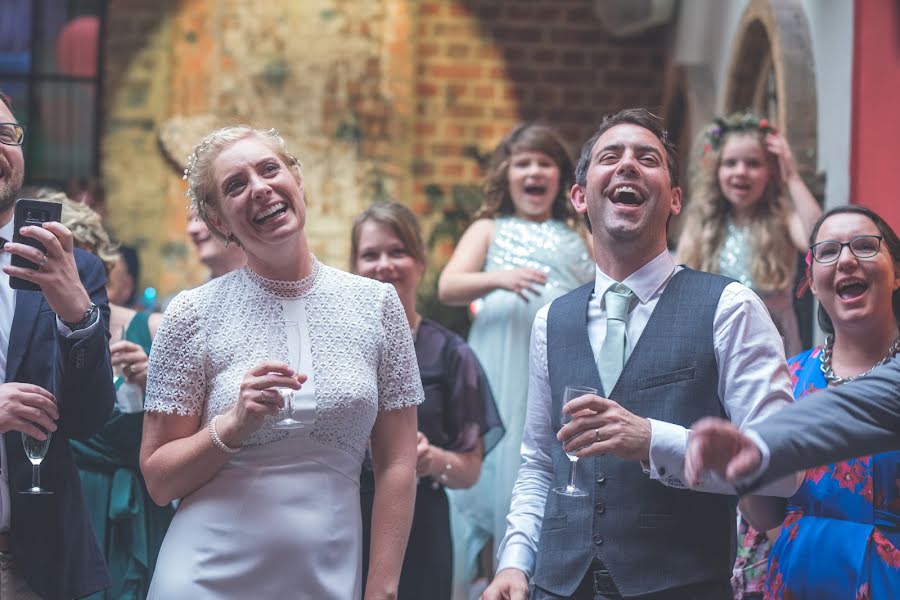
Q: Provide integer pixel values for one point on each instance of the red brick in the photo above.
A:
(453, 170)
(425, 128)
(484, 92)
(544, 56)
(567, 76)
(575, 96)
(517, 34)
(428, 50)
(574, 58)
(426, 89)
(458, 51)
(456, 71)
(465, 110)
(430, 9)
(504, 113)
(580, 15)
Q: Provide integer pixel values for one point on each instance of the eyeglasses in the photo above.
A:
(862, 246)
(12, 134)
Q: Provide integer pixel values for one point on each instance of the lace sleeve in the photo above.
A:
(176, 381)
(399, 384)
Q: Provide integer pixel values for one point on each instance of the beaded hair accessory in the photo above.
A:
(722, 126)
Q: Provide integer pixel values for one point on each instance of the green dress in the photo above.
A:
(129, 526)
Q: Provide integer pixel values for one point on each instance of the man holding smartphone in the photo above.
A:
(56, 374)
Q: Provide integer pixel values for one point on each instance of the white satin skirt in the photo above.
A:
(281, 520)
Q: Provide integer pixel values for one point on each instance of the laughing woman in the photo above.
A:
(845, 514)
(266, 512)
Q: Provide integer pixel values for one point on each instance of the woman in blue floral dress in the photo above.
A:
(841, 530)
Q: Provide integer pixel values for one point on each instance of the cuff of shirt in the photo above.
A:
(516, 556)
(66, 332)
(668, 444)
(764, 452)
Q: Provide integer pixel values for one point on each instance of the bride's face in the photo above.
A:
(261, 200)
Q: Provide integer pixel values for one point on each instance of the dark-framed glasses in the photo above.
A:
(12, 134)
(862, 246)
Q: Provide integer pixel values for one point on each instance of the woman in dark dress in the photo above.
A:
(458, 422)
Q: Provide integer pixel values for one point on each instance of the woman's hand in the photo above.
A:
(131, 360)
(425, 456)
(258, 399)
(520, 281)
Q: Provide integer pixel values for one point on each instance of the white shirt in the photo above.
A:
(7, 312)
(753, 383)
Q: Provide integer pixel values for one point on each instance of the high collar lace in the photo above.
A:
(287, 289)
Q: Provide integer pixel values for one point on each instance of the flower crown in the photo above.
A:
(722, 126)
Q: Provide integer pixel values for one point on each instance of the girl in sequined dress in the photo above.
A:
(749, 216)
(525, 248)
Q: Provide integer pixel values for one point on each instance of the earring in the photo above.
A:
(230, 238)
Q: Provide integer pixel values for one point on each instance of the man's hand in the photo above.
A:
(24, 407)
(58, 273)
(509, 584)
(601, 426)
(717, 445)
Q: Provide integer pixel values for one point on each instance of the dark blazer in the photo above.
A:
(50, 536)
(855, 419)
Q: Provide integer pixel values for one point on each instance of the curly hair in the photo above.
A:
(528, 137)
(199, 173)
(772, 259)
(86, 227)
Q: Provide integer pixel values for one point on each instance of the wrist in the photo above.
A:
(80, 320)
(228, 431)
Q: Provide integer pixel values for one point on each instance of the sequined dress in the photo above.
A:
(281, 519)
(734, 262)
(500, 339)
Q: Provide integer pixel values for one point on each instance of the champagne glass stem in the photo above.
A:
(35, 476)
(572, 473)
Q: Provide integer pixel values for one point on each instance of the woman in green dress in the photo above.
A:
(129, 526)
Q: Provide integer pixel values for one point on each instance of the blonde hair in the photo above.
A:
(199, 172)
(772, 254)
(86, 227)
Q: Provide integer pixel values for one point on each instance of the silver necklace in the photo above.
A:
(825, 359)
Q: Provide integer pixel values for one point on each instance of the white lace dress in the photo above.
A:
(282, 517)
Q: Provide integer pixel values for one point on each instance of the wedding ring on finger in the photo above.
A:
(128, 370)
(597, 434)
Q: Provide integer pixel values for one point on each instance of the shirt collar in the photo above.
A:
(6, 231)
(644, 282)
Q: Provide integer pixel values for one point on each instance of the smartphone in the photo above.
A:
(31, 212)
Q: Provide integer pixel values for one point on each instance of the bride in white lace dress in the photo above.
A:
(269, 513)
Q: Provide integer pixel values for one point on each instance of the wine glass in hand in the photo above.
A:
(36, 449)
(571, 392)
(284, 340)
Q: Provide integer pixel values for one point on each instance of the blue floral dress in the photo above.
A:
(841, 535)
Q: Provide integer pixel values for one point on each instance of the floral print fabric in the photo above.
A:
(841, 534)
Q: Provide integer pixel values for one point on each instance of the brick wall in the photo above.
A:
(377, 97)
(485, 65)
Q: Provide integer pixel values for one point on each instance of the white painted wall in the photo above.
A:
(705, 34)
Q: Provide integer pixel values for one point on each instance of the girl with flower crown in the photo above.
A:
(750, 214)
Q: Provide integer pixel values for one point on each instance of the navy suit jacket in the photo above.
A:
(51, 536)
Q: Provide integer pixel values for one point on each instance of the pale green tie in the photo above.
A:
(612, 353)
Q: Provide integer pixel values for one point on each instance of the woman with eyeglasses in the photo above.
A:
(840, 535)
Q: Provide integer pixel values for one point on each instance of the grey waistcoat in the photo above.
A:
(649, 536)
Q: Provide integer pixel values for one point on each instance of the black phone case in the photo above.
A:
(31, 212)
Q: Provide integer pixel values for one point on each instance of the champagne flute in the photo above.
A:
(571, 392)
(284, 340)
(36, 449)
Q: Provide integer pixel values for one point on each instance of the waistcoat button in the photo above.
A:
(598, 539)
(601, 478)
(600, 508)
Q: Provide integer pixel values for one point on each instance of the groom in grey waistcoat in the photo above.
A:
(663, 346)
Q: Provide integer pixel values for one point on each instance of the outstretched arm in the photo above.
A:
(855, 419)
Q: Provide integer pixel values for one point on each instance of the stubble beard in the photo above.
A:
(9, 186)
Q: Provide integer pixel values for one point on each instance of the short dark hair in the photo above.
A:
(629, 116)
(890, 240)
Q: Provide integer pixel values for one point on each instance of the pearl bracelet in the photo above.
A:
(217, 441)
